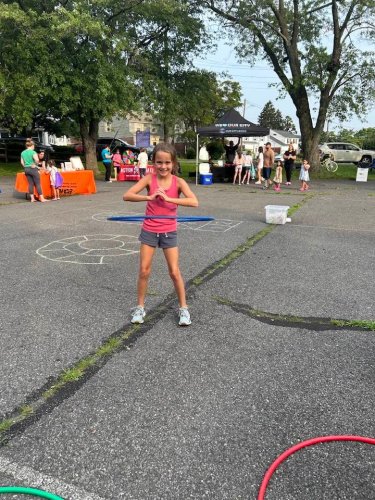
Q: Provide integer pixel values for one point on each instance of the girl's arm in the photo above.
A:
(189, 200)
(132, 193)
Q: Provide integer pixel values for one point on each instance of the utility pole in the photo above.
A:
(244, 108)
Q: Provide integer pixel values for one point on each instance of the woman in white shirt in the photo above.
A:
(260, 165)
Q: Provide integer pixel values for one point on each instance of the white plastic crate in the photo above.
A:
(276, 214)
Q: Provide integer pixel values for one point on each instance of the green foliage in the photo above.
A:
(270, 117)
(317, 51)
(190, 153)
(215, 149)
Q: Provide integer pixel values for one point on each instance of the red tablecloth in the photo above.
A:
(131, 173)
(75, 182)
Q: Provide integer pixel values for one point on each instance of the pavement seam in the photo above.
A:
(310, 322)
(57, 389)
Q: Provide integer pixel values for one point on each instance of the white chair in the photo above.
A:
(76, 163)
(204, 168)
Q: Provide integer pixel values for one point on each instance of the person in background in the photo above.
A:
(29, 161)
(289, 159)
(248, 164)
(230, 151)
(107, 162)
(269, 158)
(52, 170)
(278, 179)
(42, 160)
(304, 175)
(239, 162)
(260, 165)
(142, 162)
(117, 162)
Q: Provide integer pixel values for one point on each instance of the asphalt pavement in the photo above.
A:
(278, 352)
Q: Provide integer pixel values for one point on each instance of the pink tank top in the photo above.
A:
(161, 207)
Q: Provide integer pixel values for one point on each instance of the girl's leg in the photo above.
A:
(235, 176)
(259, 172)
(145, 265)
(171, 255)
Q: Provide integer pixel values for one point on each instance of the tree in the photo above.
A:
(202, 97)
(270, 117)
(288, 125)
(85, 61)
(317, 49)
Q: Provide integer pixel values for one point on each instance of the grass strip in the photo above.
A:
(232, 256)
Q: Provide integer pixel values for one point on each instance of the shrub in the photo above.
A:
(215, 149)
(190, 154)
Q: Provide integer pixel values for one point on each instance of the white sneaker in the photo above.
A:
(258, 182)
(138, 313)
(184, 316)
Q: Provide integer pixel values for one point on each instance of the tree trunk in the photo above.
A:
(310, 135)
(89, 130)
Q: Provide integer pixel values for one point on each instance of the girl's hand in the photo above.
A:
(162, 194)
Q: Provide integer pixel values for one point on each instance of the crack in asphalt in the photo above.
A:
(308, 322)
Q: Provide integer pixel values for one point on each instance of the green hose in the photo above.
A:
(29, 491)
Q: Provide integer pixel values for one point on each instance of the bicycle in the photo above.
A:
(328, 164)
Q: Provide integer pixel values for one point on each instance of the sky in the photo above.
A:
(255, 82)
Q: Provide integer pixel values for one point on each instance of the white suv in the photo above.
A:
(343, 152)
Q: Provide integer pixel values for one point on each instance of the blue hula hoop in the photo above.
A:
(180, 218)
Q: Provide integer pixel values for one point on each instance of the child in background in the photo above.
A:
(278, 179)
(239, 162)
(247, 167)
(54, 179)
(117, 162)
(163, 198)
(304, 176)
(142, 162)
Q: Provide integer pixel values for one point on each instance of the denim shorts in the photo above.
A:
(161, 240)
(267, 172)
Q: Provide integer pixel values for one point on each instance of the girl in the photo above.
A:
(278, 179)
(260, 165)
(55, 183)
(117, 162)
(29, 161)
(304, 175)
(247, 167)
(163, 197)
(239, 162)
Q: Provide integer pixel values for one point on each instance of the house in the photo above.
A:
(127, 128)
(279, 139)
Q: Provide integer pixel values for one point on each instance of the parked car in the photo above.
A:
(114, 144)
(12, 147)
(63, 153)
(344, 152)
